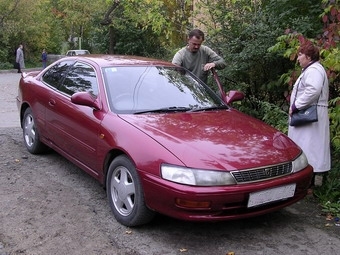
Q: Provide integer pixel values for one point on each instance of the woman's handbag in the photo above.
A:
(304, 116)
(16, 65)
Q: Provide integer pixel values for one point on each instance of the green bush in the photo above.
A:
(329, 193)
(267, 112)
(5, 66)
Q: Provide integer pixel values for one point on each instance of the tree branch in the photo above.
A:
(107, 19)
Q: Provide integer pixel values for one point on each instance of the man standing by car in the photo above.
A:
(19, 58)
(198, 58)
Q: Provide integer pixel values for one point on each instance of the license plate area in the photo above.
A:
(271, 195)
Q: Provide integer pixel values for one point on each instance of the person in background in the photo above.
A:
(44, 58)
(198, 58)
(19, 58)
(310, 88)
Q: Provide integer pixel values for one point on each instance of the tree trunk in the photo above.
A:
(107, 21)
(112, 40)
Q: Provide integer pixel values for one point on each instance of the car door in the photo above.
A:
(76, 127)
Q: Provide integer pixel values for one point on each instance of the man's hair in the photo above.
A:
(196, 33)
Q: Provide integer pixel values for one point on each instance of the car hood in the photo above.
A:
(217, 139)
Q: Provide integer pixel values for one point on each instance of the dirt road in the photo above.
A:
(49, 206)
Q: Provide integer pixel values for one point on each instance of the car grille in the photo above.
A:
(262, 173)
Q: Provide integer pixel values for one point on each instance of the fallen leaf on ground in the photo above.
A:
(329, 217)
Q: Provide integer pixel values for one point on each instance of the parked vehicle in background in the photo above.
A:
(160, 140)
(77, 52)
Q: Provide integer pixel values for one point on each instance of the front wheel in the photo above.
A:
(125, 194)
(31, 134)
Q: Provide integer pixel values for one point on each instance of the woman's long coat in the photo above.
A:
(313, 138)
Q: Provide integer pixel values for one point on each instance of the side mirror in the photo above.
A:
(86, 99)
(233, 96)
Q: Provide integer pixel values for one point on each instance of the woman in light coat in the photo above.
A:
(312, 88)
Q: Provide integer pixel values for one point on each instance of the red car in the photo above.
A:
(160, 140)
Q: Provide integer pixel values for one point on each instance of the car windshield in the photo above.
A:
(158, 89)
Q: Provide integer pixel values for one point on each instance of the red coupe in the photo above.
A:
(160, 140)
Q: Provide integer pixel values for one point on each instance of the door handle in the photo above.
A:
(51, 102)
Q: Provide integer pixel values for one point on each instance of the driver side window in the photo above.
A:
(80, 78)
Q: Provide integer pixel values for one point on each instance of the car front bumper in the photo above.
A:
(194, 203)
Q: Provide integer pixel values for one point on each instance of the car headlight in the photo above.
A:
(300, 163)
(196, 177)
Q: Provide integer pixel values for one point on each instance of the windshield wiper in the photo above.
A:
(209, 108)
(166, 109)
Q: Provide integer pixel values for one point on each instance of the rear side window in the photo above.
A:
(54, 75)
(80, 78)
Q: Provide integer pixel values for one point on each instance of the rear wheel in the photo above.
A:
(125, 194)
(31, 135)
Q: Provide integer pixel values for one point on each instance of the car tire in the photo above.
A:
(125, 193)
(31, 135)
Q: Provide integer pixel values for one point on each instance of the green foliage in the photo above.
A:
(148, 28)
(132, 41)
(329, 192)
(131, 35)
(5, 65)
(334, 116)
(274, 116)
(332, 208)
(242, 31)
(30, 23)
(296, 15)
(267, 112)
(138, 27)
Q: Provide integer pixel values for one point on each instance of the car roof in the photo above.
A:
(77, 51)
(104, 60)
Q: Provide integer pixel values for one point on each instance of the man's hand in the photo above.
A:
(208, 66)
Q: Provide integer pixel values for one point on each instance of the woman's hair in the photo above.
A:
(310, 50)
